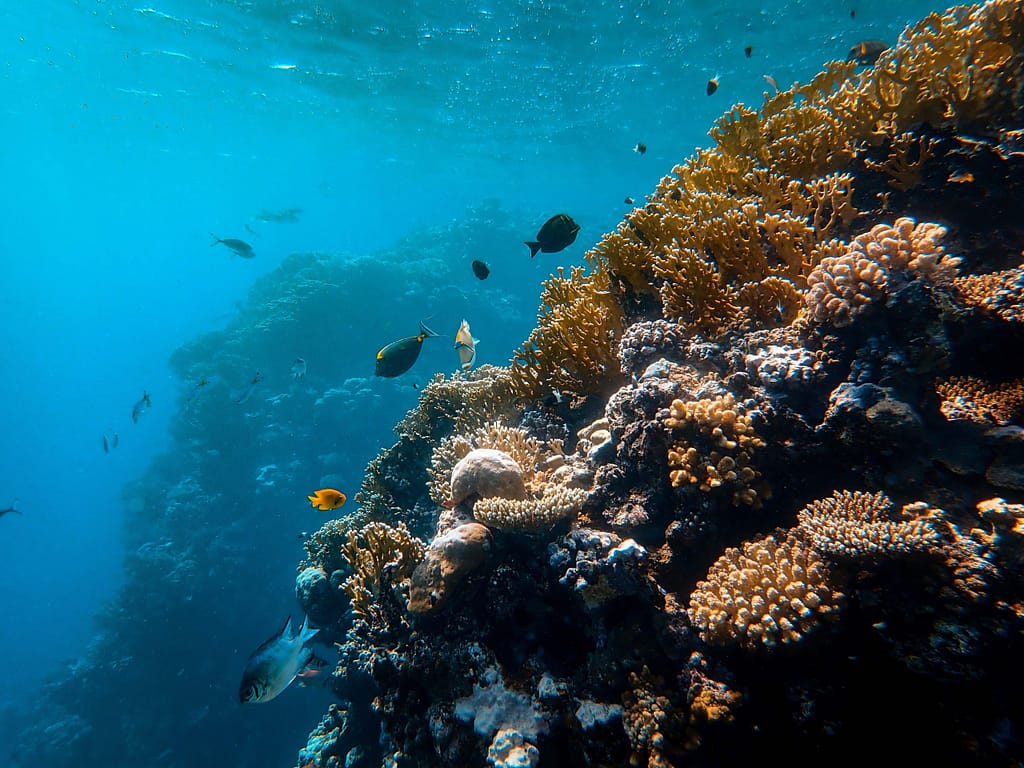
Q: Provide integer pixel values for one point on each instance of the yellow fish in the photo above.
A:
(327, 499)
(465, 345)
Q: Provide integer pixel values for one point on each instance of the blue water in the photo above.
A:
(131, 131)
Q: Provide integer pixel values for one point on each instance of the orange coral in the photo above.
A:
(966, 398)
(1001, 293)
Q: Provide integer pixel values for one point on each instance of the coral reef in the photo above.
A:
(640, 555)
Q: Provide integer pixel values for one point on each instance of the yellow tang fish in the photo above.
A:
(327, 499)
(465, 345)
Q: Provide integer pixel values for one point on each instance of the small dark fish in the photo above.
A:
(481, 270)
(712, 85)
(106, 448)
(115, 441)
(853, 13)
(867, 51)
(247, 392)
(629, 201)
(299, 368)
(640, 149)
(272, 667)
(141, 406)
(240, 247)
(748, 51)
(197, 388)
(558, 232)
(12, 508)
(398, 357)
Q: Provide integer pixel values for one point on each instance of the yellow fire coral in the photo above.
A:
(840, 287)
(966, 398)
(713, 446)
(859, 524)
(766, 593)
(381, 557)
(1001, 293)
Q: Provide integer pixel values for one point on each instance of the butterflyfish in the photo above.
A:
(327, 499)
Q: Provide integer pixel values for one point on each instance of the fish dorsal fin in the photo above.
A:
(286, 630)
(306, 633)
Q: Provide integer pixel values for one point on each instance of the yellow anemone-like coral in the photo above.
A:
(713, 447)
(767, 593)
(966, 398)
(859, 524)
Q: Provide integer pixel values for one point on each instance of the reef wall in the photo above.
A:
(753, 484)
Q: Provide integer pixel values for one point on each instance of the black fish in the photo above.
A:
(240, 247)
(712, 85)
(12, 508)
(640, 148)
(481, 270)
(397, 357)
(867, 51)
(748, 50)
(141, 406)
(557, 233)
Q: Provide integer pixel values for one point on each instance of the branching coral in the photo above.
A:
(857, 524)
(907, 157)
(381, 557)
(714, 442)
(555, 503)
(1001, 293)
(840, 287)
(766, 593)
(651, 721)
(966, 398)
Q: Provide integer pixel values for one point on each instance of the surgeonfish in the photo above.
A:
(398, 357)
(465, 345)
(867, 51)
(480, 269)
(298, 368)
(640, 148)
(12, 508)
(141, 406)
(558, 232)
(279, 660)
(327, 499)
(247, 392)
(240, 247)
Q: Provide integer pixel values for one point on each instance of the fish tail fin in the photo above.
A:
(534, 247)
(215, 240)
(306, 633)
(426, 331)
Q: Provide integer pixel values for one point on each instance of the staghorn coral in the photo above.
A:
(1001, 293)
(840, 287)
(855, 524)
(766, 593)
(714, 443)
(381, 557)
(907, 156)
(966, 398)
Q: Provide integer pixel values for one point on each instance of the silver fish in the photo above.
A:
(247, 392)
(272, 667)
(465, 345)
(140, 407)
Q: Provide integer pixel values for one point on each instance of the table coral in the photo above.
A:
(858, 524)
(767, 593)
(538, 513)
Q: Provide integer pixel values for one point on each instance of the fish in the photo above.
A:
(771, 81)
(629, 200)
(285, 216)
(12, 508)
(465, 345)
(853, 13)
(279, 660)
(247, 392)
(867, 51)
(115, 441)
(712, 85)
(240, 247)
(640, 148)
(197, 388)
(480, 269)
(106, 448)
(748, 50)
(558, 232)
(327, 499)
(299, 368)
(396, 358)
(141, 406)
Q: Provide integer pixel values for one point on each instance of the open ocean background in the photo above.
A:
(132, 131)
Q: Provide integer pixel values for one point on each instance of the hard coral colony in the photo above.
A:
(775, 500)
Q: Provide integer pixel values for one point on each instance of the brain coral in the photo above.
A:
(766, 593)
(858, 524)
